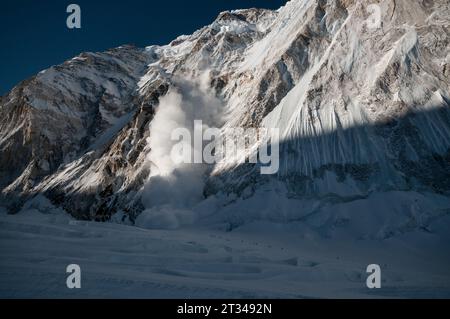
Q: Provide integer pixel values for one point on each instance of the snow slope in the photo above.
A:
(259, 260)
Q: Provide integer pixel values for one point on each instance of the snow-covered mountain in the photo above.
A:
(363, 110)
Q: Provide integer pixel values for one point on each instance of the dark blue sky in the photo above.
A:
(34, 36)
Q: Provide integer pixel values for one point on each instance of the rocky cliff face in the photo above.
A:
(361, 109)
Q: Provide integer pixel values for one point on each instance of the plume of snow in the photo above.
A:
(173, 188)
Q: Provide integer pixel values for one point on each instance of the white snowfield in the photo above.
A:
(260, 259)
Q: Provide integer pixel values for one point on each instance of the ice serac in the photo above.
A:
(362, 109)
